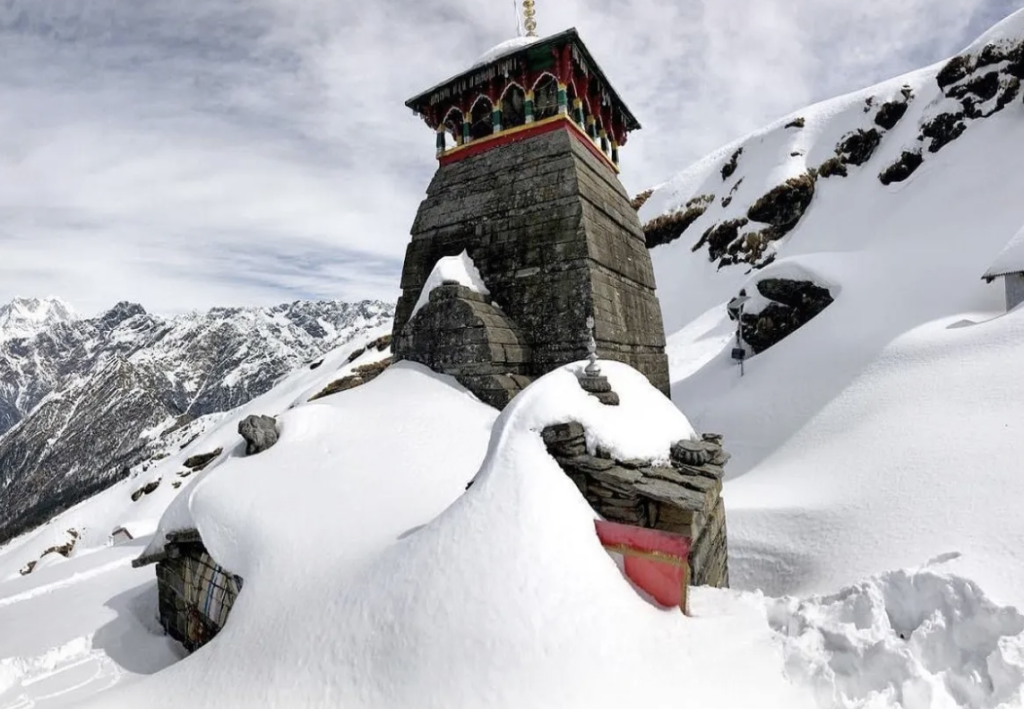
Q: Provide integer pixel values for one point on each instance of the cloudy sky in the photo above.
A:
(189, 153)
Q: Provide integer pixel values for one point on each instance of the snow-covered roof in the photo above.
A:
(506, 47)
(1010, 259)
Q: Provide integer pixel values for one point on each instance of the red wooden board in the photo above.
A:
(656, 561)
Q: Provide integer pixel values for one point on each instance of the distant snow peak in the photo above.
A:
(26, 317)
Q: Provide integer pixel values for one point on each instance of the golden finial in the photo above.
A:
(530, 15)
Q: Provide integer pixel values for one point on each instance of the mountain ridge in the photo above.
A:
(76, 396)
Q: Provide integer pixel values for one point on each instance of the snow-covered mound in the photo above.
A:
(887, 429)
(506, 599)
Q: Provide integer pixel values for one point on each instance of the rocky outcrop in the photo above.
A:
(683, 496)
(198, 462)
(793, 304)
(259, 432)
(903, 168)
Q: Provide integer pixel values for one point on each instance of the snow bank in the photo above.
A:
(451, 269)
(915, 639)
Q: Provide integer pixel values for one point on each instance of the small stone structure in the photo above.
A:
(683, 497)
(195, 593)
(1009, 266)
(536, 203)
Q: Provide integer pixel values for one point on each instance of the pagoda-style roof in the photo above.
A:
(539, 56)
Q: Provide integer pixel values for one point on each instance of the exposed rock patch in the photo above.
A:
(903, 168)
(145, 490)
(832, 167)
(943, 130)
(858, 147)
(793, 304)
(955, 70)
(784, 205)
(641, 199)
(668, 227)
(730, 167)
(798, 122)
(890, 113)
(198, 462)
(361, 375)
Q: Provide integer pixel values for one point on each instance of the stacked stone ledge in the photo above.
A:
(683, 497)
(459, 332)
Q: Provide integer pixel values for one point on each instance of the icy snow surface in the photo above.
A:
(451, 269)
(1010, 259)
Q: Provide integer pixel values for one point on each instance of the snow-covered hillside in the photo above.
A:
(888, 429)
(872, 497)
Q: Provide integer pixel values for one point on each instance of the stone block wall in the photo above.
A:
(683, 497)
(195, 594)
(552, 232)
(460, 333)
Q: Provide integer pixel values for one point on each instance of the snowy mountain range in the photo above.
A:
(873, 495)
(83, 400)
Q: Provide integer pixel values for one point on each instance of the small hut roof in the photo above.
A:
(1010, 260)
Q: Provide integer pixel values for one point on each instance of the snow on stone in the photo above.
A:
(1010, 259)
(506, 47)
(451, 269)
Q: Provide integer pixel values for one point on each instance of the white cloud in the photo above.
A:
(191, 153)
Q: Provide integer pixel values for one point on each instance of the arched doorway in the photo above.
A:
(513, 107)
(545, 98)
(481, 120)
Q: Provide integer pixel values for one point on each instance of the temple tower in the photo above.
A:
(528, 144)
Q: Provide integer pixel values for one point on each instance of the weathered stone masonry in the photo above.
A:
(551, 230)
(683, 497)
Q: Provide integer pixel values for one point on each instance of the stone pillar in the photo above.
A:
(577, 112)
(440, 140)
(496, 117)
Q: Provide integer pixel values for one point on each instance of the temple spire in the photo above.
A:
(529, 18)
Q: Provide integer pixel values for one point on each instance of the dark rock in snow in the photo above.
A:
(794, 303)
(890, 113)
(858, 147)
(259, 432)
(903, 168)
(198, 462)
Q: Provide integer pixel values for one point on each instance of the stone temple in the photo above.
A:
(528, 144)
